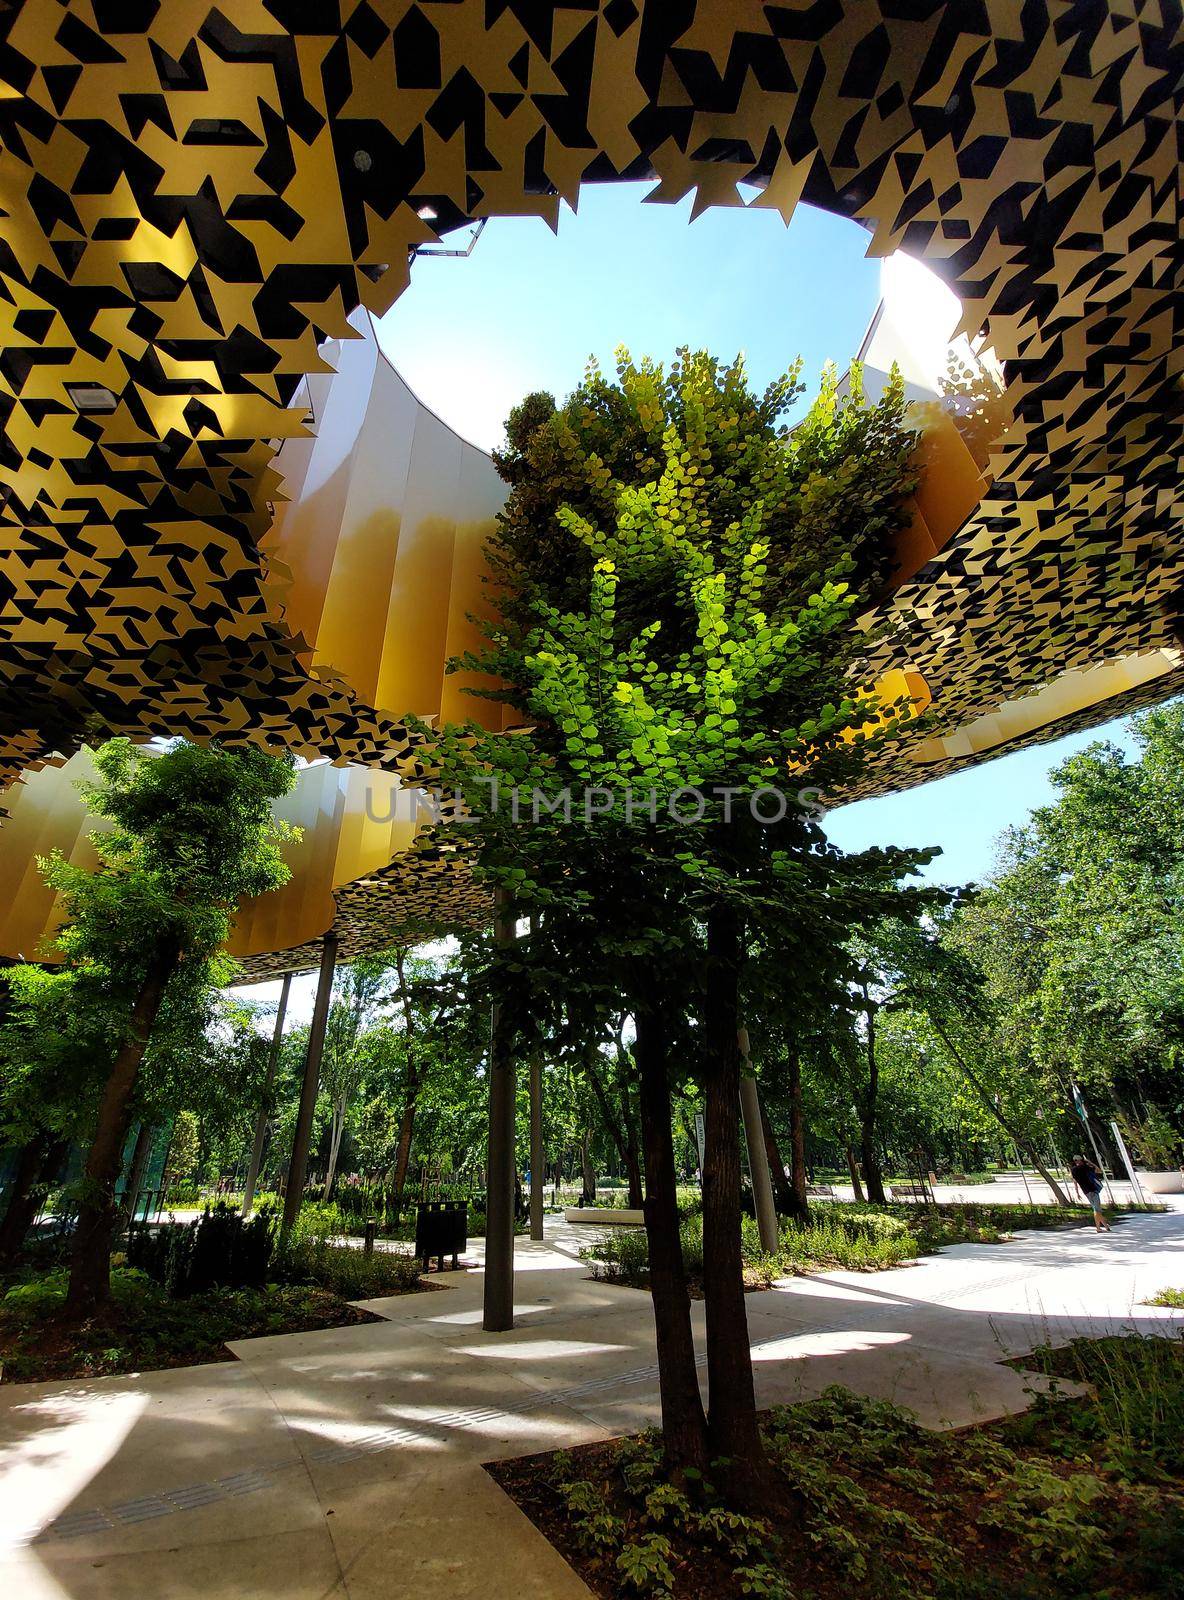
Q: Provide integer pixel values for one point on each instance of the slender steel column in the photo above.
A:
(536, 1146)
(298, 1165)
(758, 1164)
(499, 1199)
(265, 1105)
(141, 1150)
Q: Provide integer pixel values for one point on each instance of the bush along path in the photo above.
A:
(1079, 1498)
(839, 1236)
(186, 1290)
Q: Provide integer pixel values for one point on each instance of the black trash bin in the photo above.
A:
(441, 1229)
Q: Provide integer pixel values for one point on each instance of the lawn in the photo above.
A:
(1080, 1499)
(854, 1238)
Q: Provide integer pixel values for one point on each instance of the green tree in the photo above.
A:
(927, 1103)
(53, 1043)
(1077, 935)
(361, 989)
(434, 1024)
(687, 574)
(923, 970)
(56, 1044)
(184, 1149)
(191, 833)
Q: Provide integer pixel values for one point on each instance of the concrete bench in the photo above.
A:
(821, 1191)
(606, 1216)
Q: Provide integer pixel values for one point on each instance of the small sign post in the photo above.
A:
(1136, 1186)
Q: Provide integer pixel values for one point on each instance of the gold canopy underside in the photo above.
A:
(195, 200)
(357, 825)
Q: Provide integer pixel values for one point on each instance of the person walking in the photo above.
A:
(1089, 1180)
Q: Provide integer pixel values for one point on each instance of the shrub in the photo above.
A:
(27, 1304)
(1154, 1142)
(219, 1249)
(622, 1256)
(850, 1237)
(345, 1269)
(144, 1330)
(866, 1243)
(859, 1244)
(1133, 1417)
(320, 1219)
(863, 1500)
(1168, 1297)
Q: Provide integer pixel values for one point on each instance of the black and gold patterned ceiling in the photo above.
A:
(194, 200)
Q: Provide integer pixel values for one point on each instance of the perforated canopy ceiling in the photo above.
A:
(195, 200)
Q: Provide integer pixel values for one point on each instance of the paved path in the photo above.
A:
(348, 1462)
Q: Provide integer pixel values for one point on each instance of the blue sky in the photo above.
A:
(966, 812)
(527, 309)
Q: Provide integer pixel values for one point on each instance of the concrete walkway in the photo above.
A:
(347, 1462)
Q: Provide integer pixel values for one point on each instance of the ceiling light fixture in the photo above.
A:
(91, 398)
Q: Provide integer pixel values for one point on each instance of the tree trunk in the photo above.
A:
(90, 1260)
(797, 1135)
(784, 1193)
(309, 1086)
(626, 1075)
(403, 1148)
(259, 1139)
(731, 1418)
(684, 1426)
(538, 1163)
(505, 1028)
(335, 1133)
(872, 1176)
(1013, 1133)
(632, 1156)
(853, 1169)
(588, 1192)
(411, 1100)
(39, 1160)
(620, 1131)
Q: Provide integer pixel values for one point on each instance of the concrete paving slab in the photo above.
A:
(127, 1441)
(490, 1549)
(302, 1565)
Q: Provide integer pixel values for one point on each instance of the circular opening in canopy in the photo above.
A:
(473, 335)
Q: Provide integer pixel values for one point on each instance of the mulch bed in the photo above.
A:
(845, 1534)
(173, 1334)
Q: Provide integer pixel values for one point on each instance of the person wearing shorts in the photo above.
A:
(1089, 1180)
